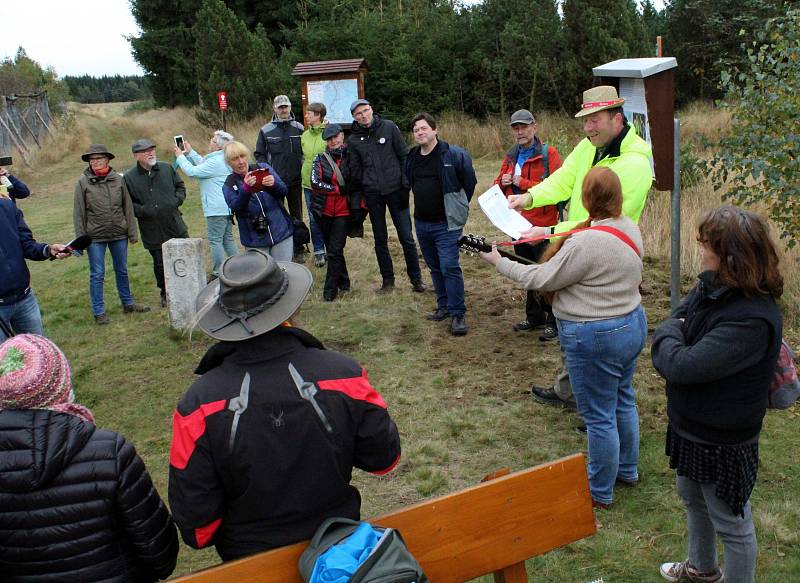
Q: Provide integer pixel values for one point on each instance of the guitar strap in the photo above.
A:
(605, 228)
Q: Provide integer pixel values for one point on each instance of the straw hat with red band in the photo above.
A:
(599, 98)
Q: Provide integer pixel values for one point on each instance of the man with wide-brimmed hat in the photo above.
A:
(264, 443)
(610, 141)
(157, 193)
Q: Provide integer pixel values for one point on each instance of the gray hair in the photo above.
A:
(221, 138)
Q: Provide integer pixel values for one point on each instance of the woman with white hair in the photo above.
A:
(211, 171)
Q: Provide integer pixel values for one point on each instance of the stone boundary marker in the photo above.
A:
(185, 276)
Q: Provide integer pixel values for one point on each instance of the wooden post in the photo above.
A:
(44, 123)
(30, 131)
(22, 150)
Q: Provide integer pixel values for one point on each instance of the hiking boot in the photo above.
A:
(328, 296)
(683, 571)
(549, 333)
(523, 326)
(387, 287)
(344, 290)
(627, 483)
(418, 286)
(458, 327)
(320, 260)
(547, 396)
(600, 505)
(438, 315)
(163, 300)
(135, 308)
(101, 319)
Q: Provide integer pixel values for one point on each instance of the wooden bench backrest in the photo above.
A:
(460, 536)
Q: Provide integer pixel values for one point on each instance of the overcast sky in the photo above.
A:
(77, 37)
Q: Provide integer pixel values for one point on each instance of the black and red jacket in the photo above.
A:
(255, 464)
(329, 198)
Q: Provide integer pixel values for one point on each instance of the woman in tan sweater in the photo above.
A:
(595, 277)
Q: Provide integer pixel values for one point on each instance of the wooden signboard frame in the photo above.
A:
(343, 69)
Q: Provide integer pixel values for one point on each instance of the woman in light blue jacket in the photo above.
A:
(211, 171)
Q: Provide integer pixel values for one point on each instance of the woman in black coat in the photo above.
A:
(717, 353)
(76, 502)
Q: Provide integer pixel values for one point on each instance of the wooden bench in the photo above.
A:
(489, 528)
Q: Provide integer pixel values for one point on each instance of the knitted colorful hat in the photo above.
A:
(34, 374)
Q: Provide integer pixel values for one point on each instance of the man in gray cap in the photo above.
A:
(611, 141)
(156, 192)
(526, 164)
(264, 443)
(279, 146)
(377, 158)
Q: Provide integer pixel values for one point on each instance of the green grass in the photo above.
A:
(461, 404)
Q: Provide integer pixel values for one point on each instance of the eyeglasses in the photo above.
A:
(97, 158)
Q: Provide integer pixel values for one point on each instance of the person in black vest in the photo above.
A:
(330, 207)
(443, 180)
(377, 158)
(265, 442)
(717, 353)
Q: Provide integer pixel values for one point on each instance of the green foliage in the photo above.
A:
(760, 157)
(230, 58)
(22, 75)
(107, 89)
(704, 36)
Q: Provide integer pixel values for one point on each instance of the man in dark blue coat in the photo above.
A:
(18, 306)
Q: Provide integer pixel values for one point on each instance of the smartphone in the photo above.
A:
(260, 174)
(5, 161)
(179, 141)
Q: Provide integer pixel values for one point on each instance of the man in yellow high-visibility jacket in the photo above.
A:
(612, 142)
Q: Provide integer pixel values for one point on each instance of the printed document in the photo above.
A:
(494, 205)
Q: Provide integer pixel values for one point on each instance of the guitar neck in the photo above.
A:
(513, 256)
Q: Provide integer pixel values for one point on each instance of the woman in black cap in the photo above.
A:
(103, 211)
(330, 206)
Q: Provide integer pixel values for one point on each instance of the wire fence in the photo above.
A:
(25, 123)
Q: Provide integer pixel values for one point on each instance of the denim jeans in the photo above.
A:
(281, 251)
(97, 272)
(220, 239)
(601, 358)
(397, 203)
(708, 516)
(317, 240)
(440, 250)
(23, 316)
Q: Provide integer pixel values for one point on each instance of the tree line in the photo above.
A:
(106, 89)
(488, 58)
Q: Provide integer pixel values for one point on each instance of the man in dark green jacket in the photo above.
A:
(156, 192)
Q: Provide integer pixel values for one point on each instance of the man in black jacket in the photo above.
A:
(377, 159)
(156, 192)
(264, 443)
(279, 146)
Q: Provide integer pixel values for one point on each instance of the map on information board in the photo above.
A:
(337, 95)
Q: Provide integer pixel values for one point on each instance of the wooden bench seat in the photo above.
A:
(489, 528)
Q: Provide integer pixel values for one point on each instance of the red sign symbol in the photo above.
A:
(222, 99)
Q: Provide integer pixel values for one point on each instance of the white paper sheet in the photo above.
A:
(494, 205)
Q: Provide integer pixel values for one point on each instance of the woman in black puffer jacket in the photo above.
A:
(76, 502)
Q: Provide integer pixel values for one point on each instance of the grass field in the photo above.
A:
(462, 404)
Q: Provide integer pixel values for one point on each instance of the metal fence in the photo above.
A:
(25, 122)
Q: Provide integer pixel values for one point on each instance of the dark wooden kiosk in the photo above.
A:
(335, 83)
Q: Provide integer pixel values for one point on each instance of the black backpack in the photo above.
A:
(389, 562)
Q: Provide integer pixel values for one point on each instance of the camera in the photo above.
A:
(260, 224)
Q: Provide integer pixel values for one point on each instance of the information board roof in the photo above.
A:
(329, 67)
(635, 68)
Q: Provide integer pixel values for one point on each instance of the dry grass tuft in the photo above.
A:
(701, 121)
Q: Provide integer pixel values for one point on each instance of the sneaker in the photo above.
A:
(527, 326)
(320, 260)
(683, 571)
(387, 287)
(135, 308)
(549, 333)
(438, 315)
(458, 326)
(600, 505)
(627, 483)
(101, 319)
(418, 286)
(547, 396)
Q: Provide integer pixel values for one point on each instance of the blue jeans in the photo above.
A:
(397, 202)
(220, 239)
(601, 358)
(440, 250)
(23, 316)
(280, 251)
(317, 240)
(97, 273)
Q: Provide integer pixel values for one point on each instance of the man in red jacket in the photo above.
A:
(526, 164)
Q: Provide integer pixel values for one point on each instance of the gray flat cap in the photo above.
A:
(522, 116)
(357, 103)
(142, 145)
(331, 130)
